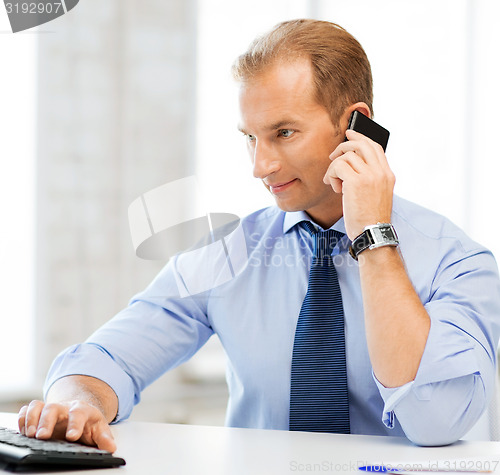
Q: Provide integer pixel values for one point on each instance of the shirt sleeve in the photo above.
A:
(456, 375)
(157, 331)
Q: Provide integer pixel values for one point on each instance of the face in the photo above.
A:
(289, 138)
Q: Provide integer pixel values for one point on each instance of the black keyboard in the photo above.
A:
(20, 453)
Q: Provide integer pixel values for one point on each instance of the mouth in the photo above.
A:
(280, 187)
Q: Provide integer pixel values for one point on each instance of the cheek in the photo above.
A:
(311, 158)
(313, 175)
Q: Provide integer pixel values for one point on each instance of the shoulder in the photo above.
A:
(416, 223)
(436, 252)
(260, 222)
(225, 254)
(264, 216)
(264, 221)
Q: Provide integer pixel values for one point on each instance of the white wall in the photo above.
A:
(114, 121)
(17, 214)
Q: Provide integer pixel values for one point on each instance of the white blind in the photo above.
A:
(17, 197)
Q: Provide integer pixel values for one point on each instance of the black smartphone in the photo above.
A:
(364, 125)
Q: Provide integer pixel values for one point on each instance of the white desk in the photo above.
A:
(151, 449)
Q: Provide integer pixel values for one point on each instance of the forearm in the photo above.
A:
(93, 391)
(397, 324)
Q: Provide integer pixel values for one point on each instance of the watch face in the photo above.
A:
(387, 234)
(383, 234)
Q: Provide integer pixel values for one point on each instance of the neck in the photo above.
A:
(327, 214)
(324, 222)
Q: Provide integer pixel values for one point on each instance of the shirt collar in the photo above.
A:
(294, 217)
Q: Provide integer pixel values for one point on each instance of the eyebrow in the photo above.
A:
(277, 125)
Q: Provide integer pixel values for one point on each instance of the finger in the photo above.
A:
(349, 145)
(337, 173)
(79, 416)
(365, 147)
(331, 178)
(88, 425)
(103, 438)
(354, 135)
(355, 161)
(21, 419)
(341, 149)
(361, 144)
(96, 430)
(378, 150)
(335, 183)
(32, 417)
(51, 415)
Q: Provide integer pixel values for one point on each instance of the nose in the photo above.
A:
(265, 160)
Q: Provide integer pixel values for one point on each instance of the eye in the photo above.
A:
(285, 133)
(249, 138)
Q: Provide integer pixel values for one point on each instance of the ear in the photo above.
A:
(361, 107)
(358, 106)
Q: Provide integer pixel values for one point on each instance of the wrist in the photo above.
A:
(373, 237)
(379, 256)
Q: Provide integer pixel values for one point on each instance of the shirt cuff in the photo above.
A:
(88, 359)
(391, 397)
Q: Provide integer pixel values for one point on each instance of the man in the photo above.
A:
(421, 318)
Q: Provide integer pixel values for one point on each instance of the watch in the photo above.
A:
(376, 235)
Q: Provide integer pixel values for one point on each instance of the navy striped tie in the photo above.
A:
(318, 392)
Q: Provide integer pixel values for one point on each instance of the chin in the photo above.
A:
(289, 207)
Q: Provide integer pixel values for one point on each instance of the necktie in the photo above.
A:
(318, 393)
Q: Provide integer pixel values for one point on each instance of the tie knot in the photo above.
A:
(324, 241)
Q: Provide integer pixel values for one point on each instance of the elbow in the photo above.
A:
(444, 420)
(433, 438)
(437, 431)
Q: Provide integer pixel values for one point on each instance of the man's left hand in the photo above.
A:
(359, 170)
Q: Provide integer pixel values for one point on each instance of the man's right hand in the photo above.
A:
(74, 421)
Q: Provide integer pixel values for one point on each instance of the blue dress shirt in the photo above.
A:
(248, 289)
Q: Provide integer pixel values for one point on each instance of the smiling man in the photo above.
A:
(290, 137)
(398, 338)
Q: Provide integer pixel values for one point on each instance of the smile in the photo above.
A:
(280, 187)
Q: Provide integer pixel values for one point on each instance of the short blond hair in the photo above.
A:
(341, 70)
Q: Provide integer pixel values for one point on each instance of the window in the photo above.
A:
(17, 198)
(223, 166)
